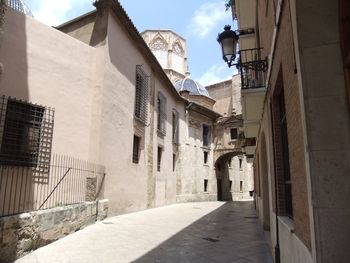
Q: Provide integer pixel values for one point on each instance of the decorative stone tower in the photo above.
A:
(20, 6)
(170, 50)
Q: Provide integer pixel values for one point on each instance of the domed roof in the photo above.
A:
(20, 6)
(192, 86)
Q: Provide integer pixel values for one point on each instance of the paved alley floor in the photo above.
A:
(191, 232)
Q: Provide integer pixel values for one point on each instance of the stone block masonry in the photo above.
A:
(23, 233)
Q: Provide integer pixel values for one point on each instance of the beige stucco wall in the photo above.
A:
(39, 70)
(130, 186)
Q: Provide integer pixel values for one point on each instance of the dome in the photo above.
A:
(20, 6)
(192, 86)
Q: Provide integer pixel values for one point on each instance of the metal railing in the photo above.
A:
(252, 68)
(69, 181)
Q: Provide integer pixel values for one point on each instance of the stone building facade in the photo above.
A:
(170, 50)
(219, 109)
(303, 137)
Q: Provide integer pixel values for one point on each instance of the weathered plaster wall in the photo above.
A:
(192, 170)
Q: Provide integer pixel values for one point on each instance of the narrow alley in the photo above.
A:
(191, 232)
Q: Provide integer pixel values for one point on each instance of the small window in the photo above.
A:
(136, 149)
(241, 186)
(141, 95)
(205, 157)
(159, 158)
(240, 163)
(161, 121)
(233, 134)
(230, 185)
(174, 162)
(205, 185)
(206, 135)
(175, 127)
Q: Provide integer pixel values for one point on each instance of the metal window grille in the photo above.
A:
(20, 6)
(26, 132)
(175, 127)
(161, 121)
(136, 149)
(141, 95)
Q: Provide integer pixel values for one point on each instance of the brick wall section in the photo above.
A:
(284, 64)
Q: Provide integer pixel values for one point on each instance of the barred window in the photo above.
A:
(141, 94)
(26, 134)
(161, 125)
(175, 127)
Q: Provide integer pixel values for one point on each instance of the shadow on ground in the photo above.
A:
(231, 233)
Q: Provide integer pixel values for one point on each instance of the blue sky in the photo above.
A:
(198, 22)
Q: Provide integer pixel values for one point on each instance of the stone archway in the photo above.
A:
(222, 175)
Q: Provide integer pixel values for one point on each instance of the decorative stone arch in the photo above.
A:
(178, 54)
(263, 171)
(222, 174)
(159, 47)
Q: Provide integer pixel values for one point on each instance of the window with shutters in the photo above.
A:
(175, 123)
(161, 121)
(141, 95)
(26, 134)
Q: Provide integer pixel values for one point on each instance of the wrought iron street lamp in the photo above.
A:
(228, 40)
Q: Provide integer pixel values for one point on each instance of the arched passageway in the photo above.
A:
(224, 184)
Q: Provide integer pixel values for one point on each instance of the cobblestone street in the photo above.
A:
(191, 232)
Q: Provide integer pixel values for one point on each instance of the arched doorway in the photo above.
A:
(265, 184)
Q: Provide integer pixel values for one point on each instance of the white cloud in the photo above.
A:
(216, 73)
(54, 12)
(206, 18)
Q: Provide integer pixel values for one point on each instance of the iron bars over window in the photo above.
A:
(26, 133)
(141, 95)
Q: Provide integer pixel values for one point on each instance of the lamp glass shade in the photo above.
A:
(228, 40)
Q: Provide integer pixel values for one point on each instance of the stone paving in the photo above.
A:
(191, 232)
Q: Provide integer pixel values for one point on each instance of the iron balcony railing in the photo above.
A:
(252, 68)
